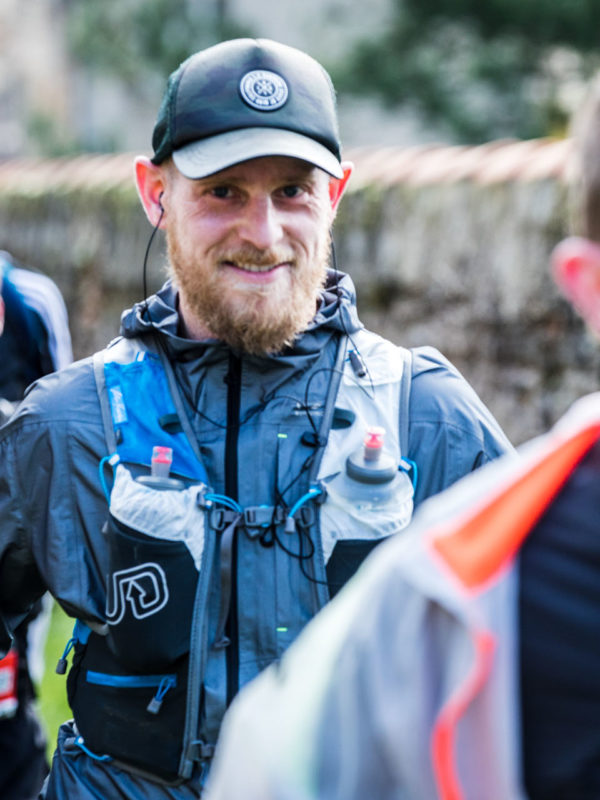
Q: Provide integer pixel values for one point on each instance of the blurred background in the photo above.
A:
(87, 76)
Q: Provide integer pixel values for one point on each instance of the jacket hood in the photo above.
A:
(158, 314)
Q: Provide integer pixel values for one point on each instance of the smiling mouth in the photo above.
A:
(255, 267)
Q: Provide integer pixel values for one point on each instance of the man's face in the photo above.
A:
(248, 248)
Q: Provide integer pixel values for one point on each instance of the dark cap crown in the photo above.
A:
(284, 89)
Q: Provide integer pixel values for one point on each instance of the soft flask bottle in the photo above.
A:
(372, 489)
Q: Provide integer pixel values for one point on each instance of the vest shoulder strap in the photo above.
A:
(107, 424)
(379, 395)
(405, 383)
(138, 408)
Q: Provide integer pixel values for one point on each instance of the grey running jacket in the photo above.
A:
(53, 508)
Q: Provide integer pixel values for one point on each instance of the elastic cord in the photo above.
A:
(409, 466)
(224, 501)
(79, 743)
(112, 460)
(315, 491)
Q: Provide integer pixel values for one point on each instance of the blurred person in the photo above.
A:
(34, 341)
(170, 490)
(462, 661)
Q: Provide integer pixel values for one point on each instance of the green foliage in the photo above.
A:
(47, 141)
(132, 38)
(479, 70)
(566, 22)
(52, 693)
(41, 131)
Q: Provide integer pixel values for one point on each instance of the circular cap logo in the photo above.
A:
(263, 90)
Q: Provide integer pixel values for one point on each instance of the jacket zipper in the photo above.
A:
(234, 385)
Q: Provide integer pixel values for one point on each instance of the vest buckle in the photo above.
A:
(200, 751)
(306, 516)
(261, 517)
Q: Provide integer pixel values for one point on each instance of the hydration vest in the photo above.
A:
(148, 690)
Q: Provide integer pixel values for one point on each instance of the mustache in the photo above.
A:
(250, 256)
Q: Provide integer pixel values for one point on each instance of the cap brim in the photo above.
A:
(207, 156)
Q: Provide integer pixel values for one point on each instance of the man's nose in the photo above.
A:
(260, 223)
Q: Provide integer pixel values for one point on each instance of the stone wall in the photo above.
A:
(447, 247)
(80, 221)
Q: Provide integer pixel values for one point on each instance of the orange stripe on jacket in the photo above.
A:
(478, 549)
(475, 552)
(444, 732)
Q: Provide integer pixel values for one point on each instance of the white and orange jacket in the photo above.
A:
(406, 685)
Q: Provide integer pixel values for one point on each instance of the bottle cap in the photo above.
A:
(162, 458)
(374, 443)
(372, 464)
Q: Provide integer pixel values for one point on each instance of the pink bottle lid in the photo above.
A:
(373, 443)
(162, 458)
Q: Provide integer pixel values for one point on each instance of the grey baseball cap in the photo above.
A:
(243, 99)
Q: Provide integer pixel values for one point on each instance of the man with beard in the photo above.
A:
(176, 491)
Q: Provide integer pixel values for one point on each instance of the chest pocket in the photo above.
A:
(352, 526)
(156, 545)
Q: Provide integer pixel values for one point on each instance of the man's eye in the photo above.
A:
(221, 191)
(291, 191)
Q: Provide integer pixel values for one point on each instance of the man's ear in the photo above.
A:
(151, 184)
(337, 186)
(576, 270)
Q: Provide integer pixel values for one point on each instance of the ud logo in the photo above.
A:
(143, 588)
